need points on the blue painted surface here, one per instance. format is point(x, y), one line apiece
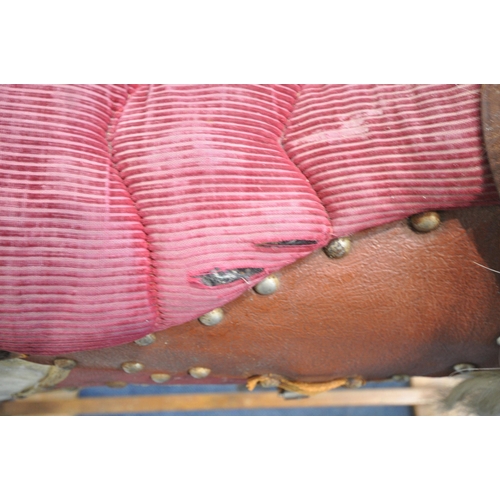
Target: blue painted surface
point(138, 390)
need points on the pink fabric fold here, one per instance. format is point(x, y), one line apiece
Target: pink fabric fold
point(215, 191)
point(74, 264)
point(379, 153)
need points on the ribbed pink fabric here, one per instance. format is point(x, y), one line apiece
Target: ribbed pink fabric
point(74, 263)
point(126, 209)
point(214, 189)
point(378, 153)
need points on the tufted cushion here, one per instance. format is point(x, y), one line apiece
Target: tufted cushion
point(378, 153)
point(221, 203)
point(129, 209)
point(74, 263)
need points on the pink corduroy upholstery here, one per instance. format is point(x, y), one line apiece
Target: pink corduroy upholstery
point(378, 153)
point(214, 189)
point(74, 265)
point(129, 209)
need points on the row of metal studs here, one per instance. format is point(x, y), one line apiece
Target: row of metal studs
point(336, 249)
point(267, 286)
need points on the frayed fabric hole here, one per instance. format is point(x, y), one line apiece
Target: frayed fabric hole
point(217, 276)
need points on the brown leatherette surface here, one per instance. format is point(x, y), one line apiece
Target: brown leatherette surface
point(400, 302)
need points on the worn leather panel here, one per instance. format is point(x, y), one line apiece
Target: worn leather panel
point(400, 302)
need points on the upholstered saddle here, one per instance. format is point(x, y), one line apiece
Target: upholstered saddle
point(301, 236)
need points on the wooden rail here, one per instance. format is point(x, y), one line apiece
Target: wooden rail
point(424, 393)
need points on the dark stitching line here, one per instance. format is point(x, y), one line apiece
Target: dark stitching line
point(110, 137)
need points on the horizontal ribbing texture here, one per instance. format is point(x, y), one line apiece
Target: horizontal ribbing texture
point(97, 250)
point(74, 262)
point(379, 153)
point(212, 184)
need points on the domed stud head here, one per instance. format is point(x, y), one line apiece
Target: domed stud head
point(338, 248)
point(117, 384)
point(199, 372)
point(425, 222)
point(65, 364)
point(132, 367)
point(267, 286)
point(212, 318)
point(160, 378)
point(147, 340)
point(464, 367)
